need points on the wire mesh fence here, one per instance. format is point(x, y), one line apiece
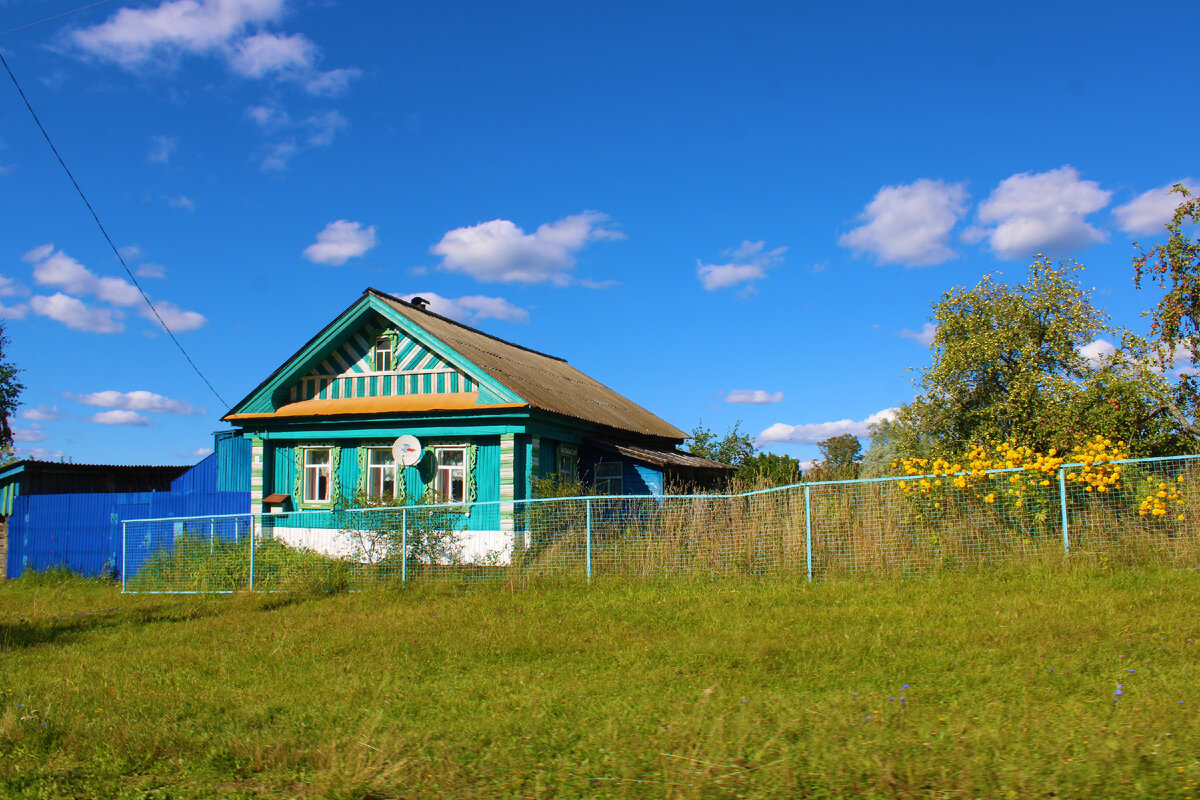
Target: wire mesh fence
point(1107, 514)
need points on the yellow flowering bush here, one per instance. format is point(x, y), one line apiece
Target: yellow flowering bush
point(1158, 497)
point(1017, 479)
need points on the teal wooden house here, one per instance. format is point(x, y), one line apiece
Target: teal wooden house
point(487, 417)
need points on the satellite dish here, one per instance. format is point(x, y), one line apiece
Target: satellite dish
point(406, 450)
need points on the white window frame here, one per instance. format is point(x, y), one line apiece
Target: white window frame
point(449, 470)
point(568, 457)
point(312, 475)
point(384, 469)
point(377, 352)
point(605, 484)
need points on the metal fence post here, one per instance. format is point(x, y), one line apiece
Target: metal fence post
point(588, 505)
point(124, 523)
point(403, 546)
point(808, 531)
point(212, 534)
point(251, 533)
point(1062, 501)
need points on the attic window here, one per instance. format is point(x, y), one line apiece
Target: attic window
point(383, 354)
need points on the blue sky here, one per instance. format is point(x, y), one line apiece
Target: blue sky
point(725, 212)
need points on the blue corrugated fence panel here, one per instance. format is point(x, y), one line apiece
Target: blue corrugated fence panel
point(201, 478)
point(233, 462)
point(82, 532)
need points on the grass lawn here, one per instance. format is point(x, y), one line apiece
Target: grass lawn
point(998, 686)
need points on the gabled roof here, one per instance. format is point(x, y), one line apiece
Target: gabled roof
point(510, 374)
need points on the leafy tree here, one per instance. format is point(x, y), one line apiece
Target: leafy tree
point(770, 469)
point(841, 457)
point(1175, 321)
point(1007, 366)
point(886, 440)
point(10, 393)
point(733, 448)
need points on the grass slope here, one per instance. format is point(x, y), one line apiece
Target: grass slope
point(956, 687)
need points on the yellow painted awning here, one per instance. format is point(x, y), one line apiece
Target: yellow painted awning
point(401, 404)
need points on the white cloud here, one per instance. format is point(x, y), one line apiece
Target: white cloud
point(41, 413)
point(811, 433)
point(746, 264)
point(753, 396)
point(910, 224)
point(38, 253)
point(268, 117)
point(923, 336)
point(151, 271)
point(119, 418)
point(1150, 211)
point(498, 251)
point(161, 149)
point(266, 53)
point(280, 154)
point(341, 241)
point(63, 272)
point(317, 130)
point(322, 128)
point(43, 454)
point(131, 37)
point(201, 452)
point(330, 83)
point(473, 307)
point(1095, 352)
point(1044, 212)
point(76, 314)
point(10, 288)
point(177, 319)
point(160, 36)
point(182, 201)
point(138, 400)
point(27, 435)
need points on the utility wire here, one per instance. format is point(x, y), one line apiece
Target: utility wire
point(56, 16)
point(108, 238)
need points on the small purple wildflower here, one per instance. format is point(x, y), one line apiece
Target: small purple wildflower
point(1133, 670)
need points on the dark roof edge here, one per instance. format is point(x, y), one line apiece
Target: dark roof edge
point(393, 298)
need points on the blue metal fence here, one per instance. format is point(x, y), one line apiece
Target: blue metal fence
point(82, 532)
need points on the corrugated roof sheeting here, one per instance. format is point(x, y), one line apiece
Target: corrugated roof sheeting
point(663, 457)
point(544, 381)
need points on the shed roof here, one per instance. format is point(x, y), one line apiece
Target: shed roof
point(662, 457)
point(544, 381)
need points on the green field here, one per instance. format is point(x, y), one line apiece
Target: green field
point(994, 686)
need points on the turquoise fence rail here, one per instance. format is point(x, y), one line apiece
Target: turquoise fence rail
point(1106, 514)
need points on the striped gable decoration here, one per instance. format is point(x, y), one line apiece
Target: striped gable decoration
point(349, 371)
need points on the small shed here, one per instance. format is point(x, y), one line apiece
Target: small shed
point(24, 478)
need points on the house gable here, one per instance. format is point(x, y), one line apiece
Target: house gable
point(350, 371)
point(337, 364)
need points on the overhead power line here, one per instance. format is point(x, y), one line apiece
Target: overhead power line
point(108, 238)
point(54, 17)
